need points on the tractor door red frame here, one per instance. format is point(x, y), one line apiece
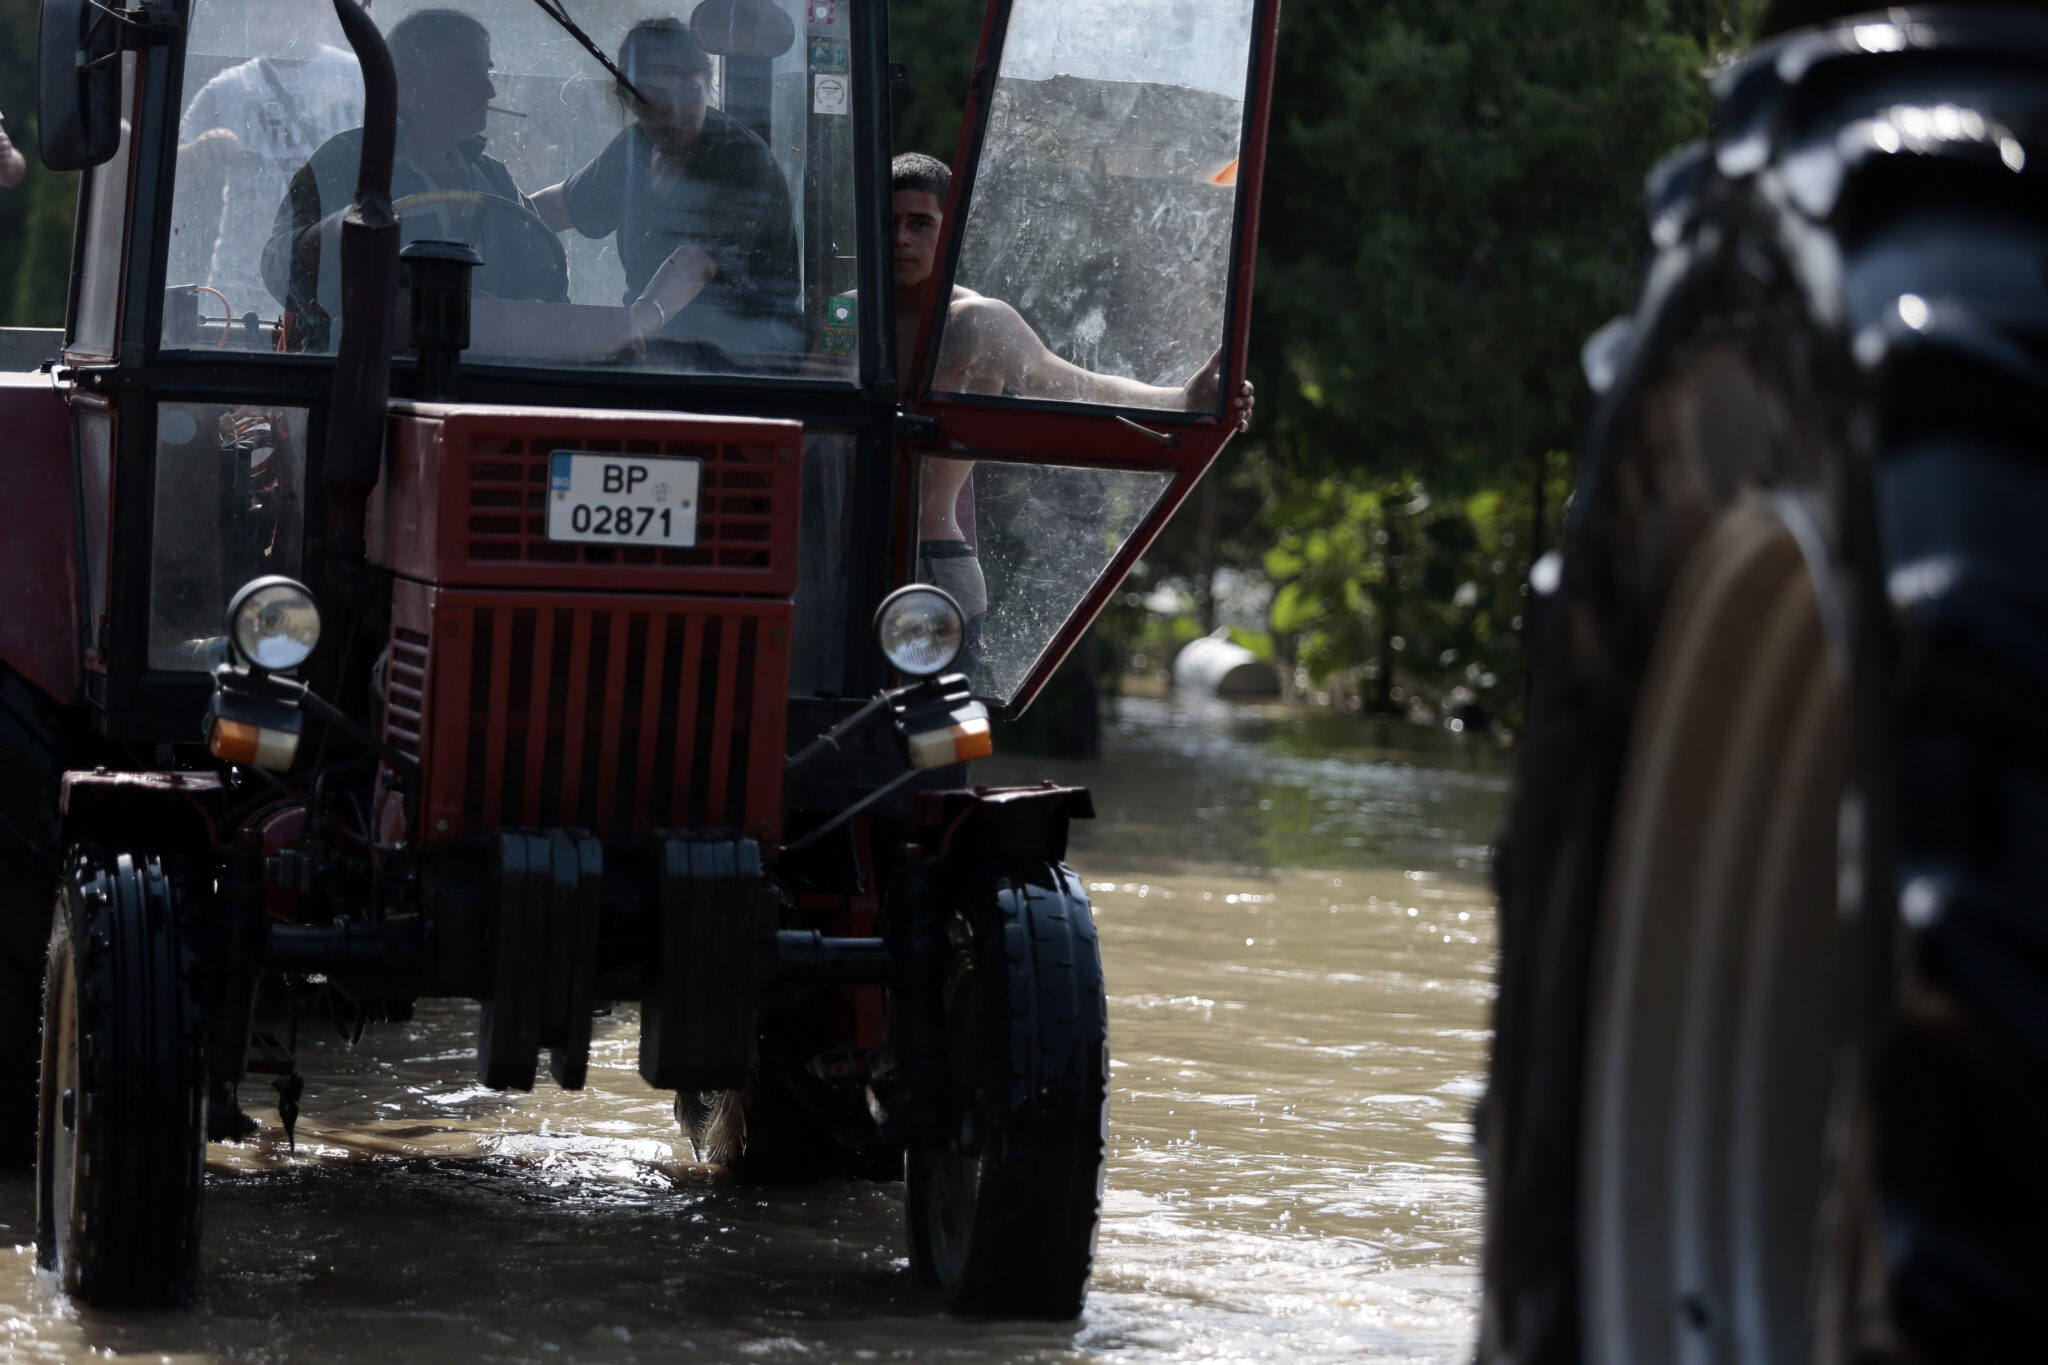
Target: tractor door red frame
point(1130, 100)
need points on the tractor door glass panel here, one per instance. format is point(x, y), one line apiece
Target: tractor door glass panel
point(265, 85)
point(1019, 546)
point(1095, 260)
point(106, 223)
point(229, 508)
point(708, 227)
point(95, 438)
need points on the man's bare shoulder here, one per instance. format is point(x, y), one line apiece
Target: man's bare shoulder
point(978, 312)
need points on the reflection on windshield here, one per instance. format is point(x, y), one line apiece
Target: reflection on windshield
point(1095, 261)
point(1035, 539)
point(700, 222)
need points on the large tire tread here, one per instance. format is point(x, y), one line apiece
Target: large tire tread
point(1893, 302)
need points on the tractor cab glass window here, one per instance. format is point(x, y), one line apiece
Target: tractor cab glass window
point(1029, 541)
point(696, 216)
point(229, 485)
point(1094, 264)
point(106, 222)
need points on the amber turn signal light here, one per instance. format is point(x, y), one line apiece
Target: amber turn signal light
point(259, 746)
point(967, 737)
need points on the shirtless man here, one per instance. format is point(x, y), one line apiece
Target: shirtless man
point(988, 347)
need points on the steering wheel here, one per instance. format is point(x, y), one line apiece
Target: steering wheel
point(539, 268)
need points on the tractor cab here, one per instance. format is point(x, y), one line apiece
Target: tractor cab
point(510, 522)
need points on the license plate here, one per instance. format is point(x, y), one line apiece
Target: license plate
point(622, 499)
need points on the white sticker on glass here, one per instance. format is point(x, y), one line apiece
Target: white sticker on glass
point(830, 94)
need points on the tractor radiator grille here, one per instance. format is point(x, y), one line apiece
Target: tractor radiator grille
point(614, 715)
point(405, 691)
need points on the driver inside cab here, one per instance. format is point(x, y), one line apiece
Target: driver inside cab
point(444, 184)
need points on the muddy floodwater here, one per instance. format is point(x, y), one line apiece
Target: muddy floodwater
point(1299, 950)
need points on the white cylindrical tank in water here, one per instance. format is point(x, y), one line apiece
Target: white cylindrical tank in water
point(1215, 666)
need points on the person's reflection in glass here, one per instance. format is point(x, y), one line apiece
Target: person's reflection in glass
point(987, 347)
point(443, 182)
point(699, 210)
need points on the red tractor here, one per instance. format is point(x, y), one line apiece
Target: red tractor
point(485, 532)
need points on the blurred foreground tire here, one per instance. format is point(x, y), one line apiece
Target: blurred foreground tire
point(1770, 1080)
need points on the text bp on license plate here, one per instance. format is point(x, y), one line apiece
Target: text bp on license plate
point(622, 499)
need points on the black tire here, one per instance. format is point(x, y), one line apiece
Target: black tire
point(1003, 1217)
point(123, 1117)
point(1834, 385)
point(29, 725)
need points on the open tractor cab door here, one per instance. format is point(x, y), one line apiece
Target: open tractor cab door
point(480, 540)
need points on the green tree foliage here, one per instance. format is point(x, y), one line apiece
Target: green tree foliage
point(35, 217)
point(1453, 196)
point(934, 41)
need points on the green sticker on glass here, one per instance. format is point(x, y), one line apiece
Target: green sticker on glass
point(829, 54)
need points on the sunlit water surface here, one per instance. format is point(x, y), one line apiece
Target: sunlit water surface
point(1299, 948)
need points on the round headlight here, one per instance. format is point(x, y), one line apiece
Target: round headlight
point(920, 629)
point(274, 623)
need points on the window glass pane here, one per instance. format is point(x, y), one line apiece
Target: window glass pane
point(99, 286)
point(229, 508)
point(708, 228)
point(1095, 261)
point(1019, 546)
point(95, 432)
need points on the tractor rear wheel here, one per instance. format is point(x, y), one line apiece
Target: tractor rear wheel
point(1004, 1209)
point(123, 1116)
point(1770, 1073)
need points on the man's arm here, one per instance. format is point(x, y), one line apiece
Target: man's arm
point(989, 348)
point(550, 207)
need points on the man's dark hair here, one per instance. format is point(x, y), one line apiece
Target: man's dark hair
point(916, 171)
point(428, 35)
point(657, 40)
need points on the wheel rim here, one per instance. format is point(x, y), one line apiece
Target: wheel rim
point(1711, 1049)
point(58, 1164)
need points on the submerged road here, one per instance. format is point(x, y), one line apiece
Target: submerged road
point(1299, 948)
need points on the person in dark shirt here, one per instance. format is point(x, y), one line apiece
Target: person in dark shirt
point(443, 182)
point(699, 211)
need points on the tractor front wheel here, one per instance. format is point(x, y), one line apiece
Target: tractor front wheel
point(1004, 1205)
point(122, 1133)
